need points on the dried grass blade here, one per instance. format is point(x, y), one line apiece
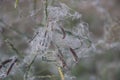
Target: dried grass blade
point(45, 33)
point(61, 57)
point(64, 34)
point(33, 37)
point(11, 66)
point(61, 73)
point(16, 3)
point(62, 60)
point(74, 54)
point(5, 62)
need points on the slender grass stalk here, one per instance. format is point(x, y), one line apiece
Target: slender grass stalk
point(33, 37)
point(35, 5)
point(16, 3)
point(11, 66)
point(45, 19)
point(5, 62)
point(46, 6)
point(29, 67)
point(11, 62)
point(61, 73)
point(74, 54)
point(64, 34)
point(14, 48)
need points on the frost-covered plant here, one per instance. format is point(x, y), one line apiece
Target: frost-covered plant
point(62, 41)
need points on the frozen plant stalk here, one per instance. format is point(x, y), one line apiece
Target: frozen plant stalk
point(64, 29)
